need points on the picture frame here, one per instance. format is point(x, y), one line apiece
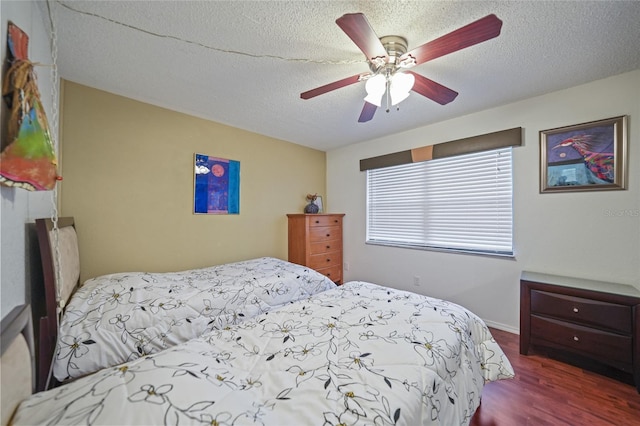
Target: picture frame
point(318, 203)
point(589, 156)
point(216, 185)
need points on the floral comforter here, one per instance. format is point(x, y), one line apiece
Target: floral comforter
point(359, 354)
point(120, 317)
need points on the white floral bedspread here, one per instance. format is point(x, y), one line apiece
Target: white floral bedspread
point(359, 354)
point(120, 317)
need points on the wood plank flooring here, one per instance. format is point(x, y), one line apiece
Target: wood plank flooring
point(549, 392)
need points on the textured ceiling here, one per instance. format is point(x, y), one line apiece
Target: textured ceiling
point(245, 63)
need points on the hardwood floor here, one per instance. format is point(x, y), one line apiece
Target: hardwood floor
point(549, 392)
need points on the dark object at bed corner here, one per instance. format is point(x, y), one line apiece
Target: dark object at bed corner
point(18, 321)
point(46, 327)
point(595, 325)
point(17, 359)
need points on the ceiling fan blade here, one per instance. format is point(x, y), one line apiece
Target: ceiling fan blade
point(367, 112)
point(356, 26)
point(432, 90)
point(476, 32)
point(332, 86)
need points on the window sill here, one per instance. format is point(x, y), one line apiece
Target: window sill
point(502, 255)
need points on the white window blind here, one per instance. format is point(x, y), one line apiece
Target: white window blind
point(461, 203)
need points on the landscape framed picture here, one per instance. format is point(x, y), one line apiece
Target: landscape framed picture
point(216, 188)
point(584, 157)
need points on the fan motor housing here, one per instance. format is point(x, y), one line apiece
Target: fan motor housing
point(395, 46)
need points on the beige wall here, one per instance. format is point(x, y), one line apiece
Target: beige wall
point(128, 181)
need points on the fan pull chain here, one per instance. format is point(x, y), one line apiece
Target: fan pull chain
point(388, 88)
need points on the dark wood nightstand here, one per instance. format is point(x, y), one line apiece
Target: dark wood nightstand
point(591, 320)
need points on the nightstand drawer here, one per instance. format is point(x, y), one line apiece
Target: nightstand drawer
point(325, 246)
point(325, 221)
point(325, 233)
point(589, 312)
point(599, 345)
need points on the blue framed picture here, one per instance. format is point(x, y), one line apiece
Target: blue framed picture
point(216, 185)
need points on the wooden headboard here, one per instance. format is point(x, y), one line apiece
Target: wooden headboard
point(62, 245)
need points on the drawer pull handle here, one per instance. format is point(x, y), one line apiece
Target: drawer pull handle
point(576, 310)
point(328, 247)
point(317, 221)
point(328, 260)
point(576, 338)
point(328, 235)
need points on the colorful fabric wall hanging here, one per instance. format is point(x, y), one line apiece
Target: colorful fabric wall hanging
point(29, 160)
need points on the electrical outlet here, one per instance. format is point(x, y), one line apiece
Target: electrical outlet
point(346, 266)
point(416, 281)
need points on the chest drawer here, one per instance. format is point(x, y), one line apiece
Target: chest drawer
point(325, 246)
point(594, 313)
point(601, 345)
point(334, 273)
point(325, 221)
point(325, 260)
point(324, 233)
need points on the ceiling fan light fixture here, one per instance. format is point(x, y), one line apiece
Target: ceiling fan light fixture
point(375, 87)
point(388, 56)
point(401, 85)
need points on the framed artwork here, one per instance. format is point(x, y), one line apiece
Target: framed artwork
point(216, 188)
point(584, 157)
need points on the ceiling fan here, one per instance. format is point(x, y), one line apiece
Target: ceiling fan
point(389, 62)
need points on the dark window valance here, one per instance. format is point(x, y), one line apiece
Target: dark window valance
point(489, 141)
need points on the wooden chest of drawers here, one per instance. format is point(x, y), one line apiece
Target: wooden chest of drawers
point(315, 240)
point(593, 320)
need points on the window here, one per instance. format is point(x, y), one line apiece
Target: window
point(461, 203)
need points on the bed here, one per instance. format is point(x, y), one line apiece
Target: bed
point(357, 354)
point(116, 318)
point(265, 342)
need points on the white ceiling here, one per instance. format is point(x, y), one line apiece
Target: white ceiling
point(245, 63)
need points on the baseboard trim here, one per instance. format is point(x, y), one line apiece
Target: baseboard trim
point(502, 327)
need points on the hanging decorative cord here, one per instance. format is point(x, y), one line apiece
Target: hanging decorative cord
point(54, 138)
point(54, 193)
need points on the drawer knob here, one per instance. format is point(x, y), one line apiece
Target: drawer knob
point(576, 310)
point(328, 247)
point(317, 221)
point(328, 235)
point(328, 260)
point(576, 338)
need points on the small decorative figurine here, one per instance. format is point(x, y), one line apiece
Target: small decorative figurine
point(311, 207)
